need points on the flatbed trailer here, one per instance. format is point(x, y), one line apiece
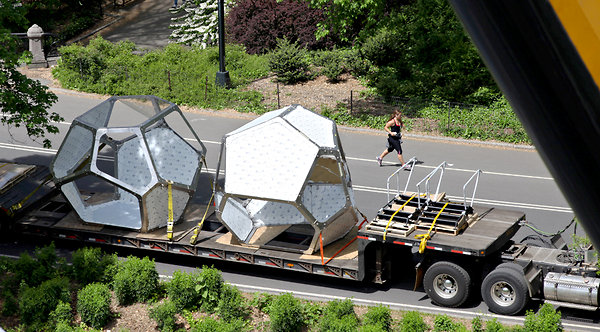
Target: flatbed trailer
point(452, 262)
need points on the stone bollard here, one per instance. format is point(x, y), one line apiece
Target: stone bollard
point(35, 34)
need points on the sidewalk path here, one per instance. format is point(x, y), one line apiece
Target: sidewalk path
point(145, 23)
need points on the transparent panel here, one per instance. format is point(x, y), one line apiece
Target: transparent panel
point(106, 159)
point(173, 158)
point(262, 119)
point(157, 205)
point(268, 213)
point(98, 116)
point(271, 160)
point(323, 200)
point(75, 148)
point(122, 212)
point(175, 121)
point(131, 112)
point(237, 219)
point(133, 165)
point(72, 194)
point(318, 128)
point(326, 170)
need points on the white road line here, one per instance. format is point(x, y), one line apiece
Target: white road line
point(354, 186)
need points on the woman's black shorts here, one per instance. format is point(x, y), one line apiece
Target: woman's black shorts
point(394, 144)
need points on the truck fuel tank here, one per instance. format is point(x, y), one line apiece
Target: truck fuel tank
point(564, 287)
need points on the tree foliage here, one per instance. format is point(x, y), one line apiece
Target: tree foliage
point(259, 24)
point(23, 102)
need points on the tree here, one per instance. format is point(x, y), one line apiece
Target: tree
point(199, 24)
point(23, 101)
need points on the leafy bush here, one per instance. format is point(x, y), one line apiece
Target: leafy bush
point(312, 313)
point(339, 316)
point(93, 304)
point(477, 324)
point(34, 270)
point(545, 320)
point(258, 24)
point(262, 301)
point(379, 316)
point(443, 323)
point(164, 315)
point(332, 63)
point(209, 324)
point(413, 322)
point(135, 281)
point(210, 286)
point(286, 313)
point(383, 48)
point(290, 62)
point(90, 264)
point(61, 314)
point(231, 304)
point(182, 290)
point(494, 326)
point(11, 305)
point(36, 303)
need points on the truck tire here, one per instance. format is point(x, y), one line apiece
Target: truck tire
point(512, 266)
point(447, 284)
point(505, 291)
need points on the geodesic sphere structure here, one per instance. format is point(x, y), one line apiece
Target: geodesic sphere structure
point(283, 169)
point(127, 149)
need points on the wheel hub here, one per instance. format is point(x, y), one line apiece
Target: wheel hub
point(445, 286)
point(502, 294)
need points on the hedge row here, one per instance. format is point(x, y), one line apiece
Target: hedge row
point(45, 303)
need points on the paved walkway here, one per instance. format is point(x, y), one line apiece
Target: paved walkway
point(145, 23)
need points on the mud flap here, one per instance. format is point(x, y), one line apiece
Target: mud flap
point(418, 276)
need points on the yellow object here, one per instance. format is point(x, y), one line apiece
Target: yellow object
point(425, 237)
point(581, 20)
point(392, 217)
point(170, 218)
point(19, 205)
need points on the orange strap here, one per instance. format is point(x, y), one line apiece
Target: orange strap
point(321, 241)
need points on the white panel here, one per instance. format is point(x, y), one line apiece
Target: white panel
point(237, 219)
point(262, 119)
point(72, 194)
point(266, 213)
point(323, 200)
point(157, 205)
point(319, 129)
point(174, 159)
point(132, 167)
point(77, 144)
point(271, 161)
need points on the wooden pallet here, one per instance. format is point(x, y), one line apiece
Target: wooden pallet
point(460, 225)
point(396, 228)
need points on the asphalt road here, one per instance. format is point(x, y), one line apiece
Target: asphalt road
point(512, 178)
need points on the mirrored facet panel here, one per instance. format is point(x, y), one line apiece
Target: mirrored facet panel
point(75, 148)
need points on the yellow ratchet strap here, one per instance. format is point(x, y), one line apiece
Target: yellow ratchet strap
point(392, 217)
point(19, 205)
point(425, 237)
point(198, 227)
point(170, 218)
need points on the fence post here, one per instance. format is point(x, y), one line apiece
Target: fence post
point(278, 106)
point(448, 123)
point(351, 110)
point(169, 78)
point(206, 88)
point(34, 34)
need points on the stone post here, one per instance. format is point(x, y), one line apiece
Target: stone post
point(35, 34)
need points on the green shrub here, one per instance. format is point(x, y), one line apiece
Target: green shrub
point(413, 322)
point(286, 313)
point(477, 324)
point(379, 316)
point(290, 62)
point(312, 313)
point(231, 304)
point(210, 286)
point(382, 48)
point(443, 323)
point(6, 265)
point(209, 324)
point(332, 63)
point(93, 305)
point(62, 314)
point(136, 280)
point(182, 289)
point(495, 326)
point(545, 320)
point(339, 316)
point(262, 301)
point(356, 64)
point(11, 305)
point(90, 264)
point(36, 303)
point(35, 270)
point(164, 315)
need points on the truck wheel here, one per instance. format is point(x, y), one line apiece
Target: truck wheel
point(447, 284)
point(505, 291)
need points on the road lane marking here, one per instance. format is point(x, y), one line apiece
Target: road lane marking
point(355, 186)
